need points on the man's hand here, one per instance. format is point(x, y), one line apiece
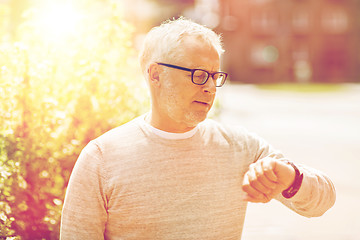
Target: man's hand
point(266, 178)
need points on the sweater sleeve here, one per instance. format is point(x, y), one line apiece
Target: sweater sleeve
point(317, 192)
point(84, 212)
point(315, 196)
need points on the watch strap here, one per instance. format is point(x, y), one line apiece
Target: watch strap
point(294, 188)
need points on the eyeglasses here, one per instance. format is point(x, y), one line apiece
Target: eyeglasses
point(200, 76)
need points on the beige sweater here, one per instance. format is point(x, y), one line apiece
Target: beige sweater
point(132, 184)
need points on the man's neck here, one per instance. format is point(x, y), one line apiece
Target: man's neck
point(167, 126)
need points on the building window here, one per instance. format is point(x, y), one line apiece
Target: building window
point(263, 55)
point(300, 52)
point(300, 21)
point(335, 21)
point(264, 21)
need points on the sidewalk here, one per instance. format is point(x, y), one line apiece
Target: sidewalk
point(321, 130)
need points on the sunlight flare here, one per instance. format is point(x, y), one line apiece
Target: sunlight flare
point(58, 21)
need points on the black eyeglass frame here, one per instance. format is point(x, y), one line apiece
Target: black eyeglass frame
point(195, 69)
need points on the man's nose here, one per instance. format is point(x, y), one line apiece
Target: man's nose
point(210, 86)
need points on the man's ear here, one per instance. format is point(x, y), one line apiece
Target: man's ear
point(154, 74)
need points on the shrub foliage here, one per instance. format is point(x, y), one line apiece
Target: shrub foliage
point(56, 94)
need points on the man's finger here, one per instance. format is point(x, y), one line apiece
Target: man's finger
point(268, 167)
point(249, 198)
point(263, 177)
point(250, 187)
point(256, 178)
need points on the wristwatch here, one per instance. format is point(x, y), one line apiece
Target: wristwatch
point(294, 188)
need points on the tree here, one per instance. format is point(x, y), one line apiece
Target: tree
point(57, 93)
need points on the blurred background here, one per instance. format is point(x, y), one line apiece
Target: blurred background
point(69, 72)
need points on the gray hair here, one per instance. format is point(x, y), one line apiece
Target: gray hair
point(162, 41)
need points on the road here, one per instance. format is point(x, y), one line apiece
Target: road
point(321, 130)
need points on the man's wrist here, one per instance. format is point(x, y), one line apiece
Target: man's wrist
point(295, 186)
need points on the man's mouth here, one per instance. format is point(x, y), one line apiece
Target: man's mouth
point(203, 103)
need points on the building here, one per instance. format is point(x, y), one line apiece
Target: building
point(291, 40)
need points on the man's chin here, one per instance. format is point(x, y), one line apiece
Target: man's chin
point(194, 118)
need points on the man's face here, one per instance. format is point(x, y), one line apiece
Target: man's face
point(181, 103)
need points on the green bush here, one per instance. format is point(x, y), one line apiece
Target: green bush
point(55, 96)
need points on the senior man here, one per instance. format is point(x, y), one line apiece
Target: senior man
point(172, 173)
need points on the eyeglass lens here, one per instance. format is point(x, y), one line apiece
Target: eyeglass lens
point(200, 77)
